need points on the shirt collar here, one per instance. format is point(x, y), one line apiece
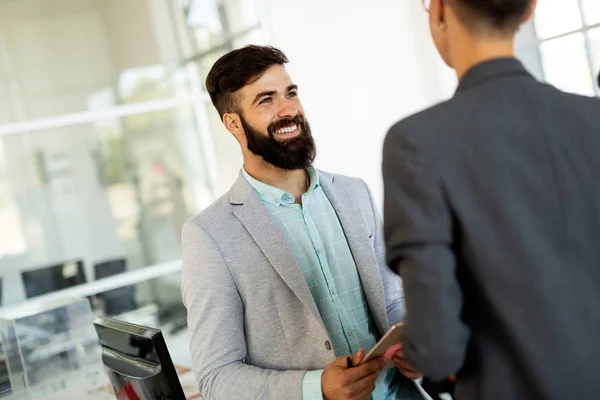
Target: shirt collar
point(313, 176)
point(276, 196)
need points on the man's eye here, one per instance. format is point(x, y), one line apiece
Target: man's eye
point(293, 94)
point(265, 100)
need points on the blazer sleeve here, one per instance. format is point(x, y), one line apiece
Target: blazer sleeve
point(418, 235)
point(392, 284)
point(216, 326)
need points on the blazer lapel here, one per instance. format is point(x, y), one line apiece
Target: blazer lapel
point(259, 223)
point(357, 234)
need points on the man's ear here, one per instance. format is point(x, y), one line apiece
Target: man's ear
point(233, 124)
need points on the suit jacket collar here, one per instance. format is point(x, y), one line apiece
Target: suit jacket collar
point(259, 223)
point(358, 234)
point(490, 70)
point(240, 191)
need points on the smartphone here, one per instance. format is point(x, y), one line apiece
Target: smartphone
point(392, 337)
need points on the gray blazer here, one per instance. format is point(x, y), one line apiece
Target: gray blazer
point(255, 328)
point(492, 216)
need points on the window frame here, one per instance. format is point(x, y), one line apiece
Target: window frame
point(585, 30)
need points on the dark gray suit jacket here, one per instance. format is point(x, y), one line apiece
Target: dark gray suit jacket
point(492, 218)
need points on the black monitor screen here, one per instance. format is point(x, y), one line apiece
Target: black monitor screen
point(56, 277)
point(137, 361)
point(116, 301)
point(110, 268)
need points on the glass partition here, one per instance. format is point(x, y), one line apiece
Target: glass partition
point(108, 140)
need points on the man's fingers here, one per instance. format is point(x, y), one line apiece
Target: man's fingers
point(365, 394)
point(365, 369)
point(367, 382)
point(358, 357)
point(340, 362)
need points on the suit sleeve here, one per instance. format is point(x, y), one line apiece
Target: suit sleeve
point(216, 326)
point(392, 284)
point(418, 235)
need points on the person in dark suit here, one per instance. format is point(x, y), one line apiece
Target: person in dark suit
point(492, 219)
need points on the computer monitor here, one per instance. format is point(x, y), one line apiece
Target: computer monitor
point(116, 301)
point(44, 280)
point(137, 361)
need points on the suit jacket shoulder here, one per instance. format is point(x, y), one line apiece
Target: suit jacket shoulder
point(423, 127)
point(213, 214)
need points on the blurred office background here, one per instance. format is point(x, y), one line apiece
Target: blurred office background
point(108, 140)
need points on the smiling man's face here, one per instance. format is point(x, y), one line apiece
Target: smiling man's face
point(273, 120)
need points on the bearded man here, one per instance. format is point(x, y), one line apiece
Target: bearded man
point(284, 277)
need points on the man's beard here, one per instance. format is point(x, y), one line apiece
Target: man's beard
point(297, 152)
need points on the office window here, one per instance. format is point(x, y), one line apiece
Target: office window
point(568, 39)
point(108, 141)
point(217, 27)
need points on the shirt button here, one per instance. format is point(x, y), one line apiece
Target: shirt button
point(351, 333)
point(319, 251)
point(276, 201)
point(333, 292)
point(328, 345)
point(288, 198)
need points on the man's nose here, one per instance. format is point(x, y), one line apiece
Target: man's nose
point(288, 110)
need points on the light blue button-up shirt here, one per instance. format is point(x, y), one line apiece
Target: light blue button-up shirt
point(316, 238)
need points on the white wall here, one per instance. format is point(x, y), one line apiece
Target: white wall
point(526, 49)
point(360, 69)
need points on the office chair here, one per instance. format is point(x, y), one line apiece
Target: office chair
point(116, 301)
point(55, 277)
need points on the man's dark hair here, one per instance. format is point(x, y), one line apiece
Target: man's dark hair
point(235, 70)
point(497, 17)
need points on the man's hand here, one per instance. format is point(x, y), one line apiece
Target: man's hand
point(404, 367)
point(339, 382)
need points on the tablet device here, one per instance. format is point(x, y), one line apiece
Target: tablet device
point(390, 343)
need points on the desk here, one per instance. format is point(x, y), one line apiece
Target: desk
point(89, 383)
